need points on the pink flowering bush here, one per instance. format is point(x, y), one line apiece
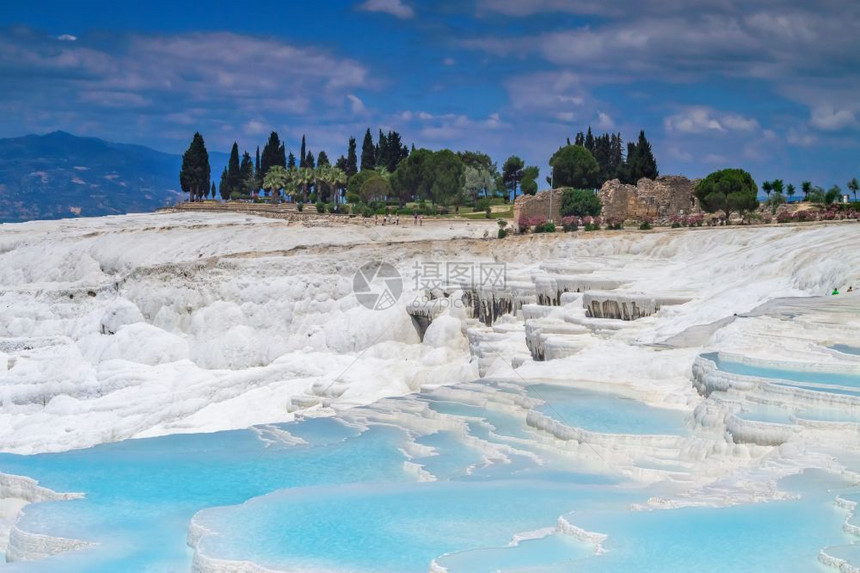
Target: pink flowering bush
point(527, 223)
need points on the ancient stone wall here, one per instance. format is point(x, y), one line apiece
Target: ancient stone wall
point(658, 199)
point(546, 204)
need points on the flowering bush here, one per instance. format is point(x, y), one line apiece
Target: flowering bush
point(804, 216)
point(614, 224)
point(570, 223)
point(784, 217)
point(591, 223)
point(528, 222)
point(695, 220)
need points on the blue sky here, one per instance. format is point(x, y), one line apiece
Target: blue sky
point(769, 85)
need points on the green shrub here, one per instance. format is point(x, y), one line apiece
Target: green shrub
point(488, 213)
point(300, 206)
point(580, 203)
point(645, 226)
point(320, 207)
point(545, 228)
point(503, 233)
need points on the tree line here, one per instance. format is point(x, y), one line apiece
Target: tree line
point(388, 170)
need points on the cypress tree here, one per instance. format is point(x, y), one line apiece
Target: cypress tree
point(212, 191)
point(257, 164)
point(234, 177)
point(395, 151)
point(224, 186)
point(281, 156)
point(309, 160)
point(273, 153)
point(647, 164)
point(302, 160)
point(589, 141)
point(382, 151)
point(351, 167)
point(580, 139)
point(195, 173)
point(291, 162)
point(322, 159)
point(630, 167)
point(247, 183)
point(341, 163)
point(368, 152)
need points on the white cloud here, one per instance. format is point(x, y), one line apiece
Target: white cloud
point(604, 121)
point(394, 7)
point(254, 127)
point(828, 118)
point(356, 105)
point(801, 139)
point(67, 38)
point(700, 119)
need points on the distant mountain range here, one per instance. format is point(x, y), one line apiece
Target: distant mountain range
point(61, 175)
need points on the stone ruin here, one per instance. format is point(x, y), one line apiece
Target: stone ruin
point(657, 199)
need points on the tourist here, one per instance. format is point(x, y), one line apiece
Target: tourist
point(397, 220)
point(851, 288)
point(420, 220)
point(415, 218)
point(835, 291)
point(376, 219)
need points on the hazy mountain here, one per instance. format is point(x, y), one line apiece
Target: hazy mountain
point(61, 175)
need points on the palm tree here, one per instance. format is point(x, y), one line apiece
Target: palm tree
point(275, 180)
point(854, 186)
point(336, 179)
point(304, 177)
point(777, 185)
point(767, 187)
point(806, 187)
point(790, 191)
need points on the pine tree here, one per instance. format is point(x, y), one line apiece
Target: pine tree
point(195, 173)
point(322, 159)
point(309, 160)
point(302, 156)
point(351, 159)
point(291, 162)
point(368, 152)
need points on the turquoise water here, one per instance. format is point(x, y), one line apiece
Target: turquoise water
point(141, 494)
point(369, 528)
point(800, 376)
point(606, 413)
point(769, 414)
point(343, 500)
